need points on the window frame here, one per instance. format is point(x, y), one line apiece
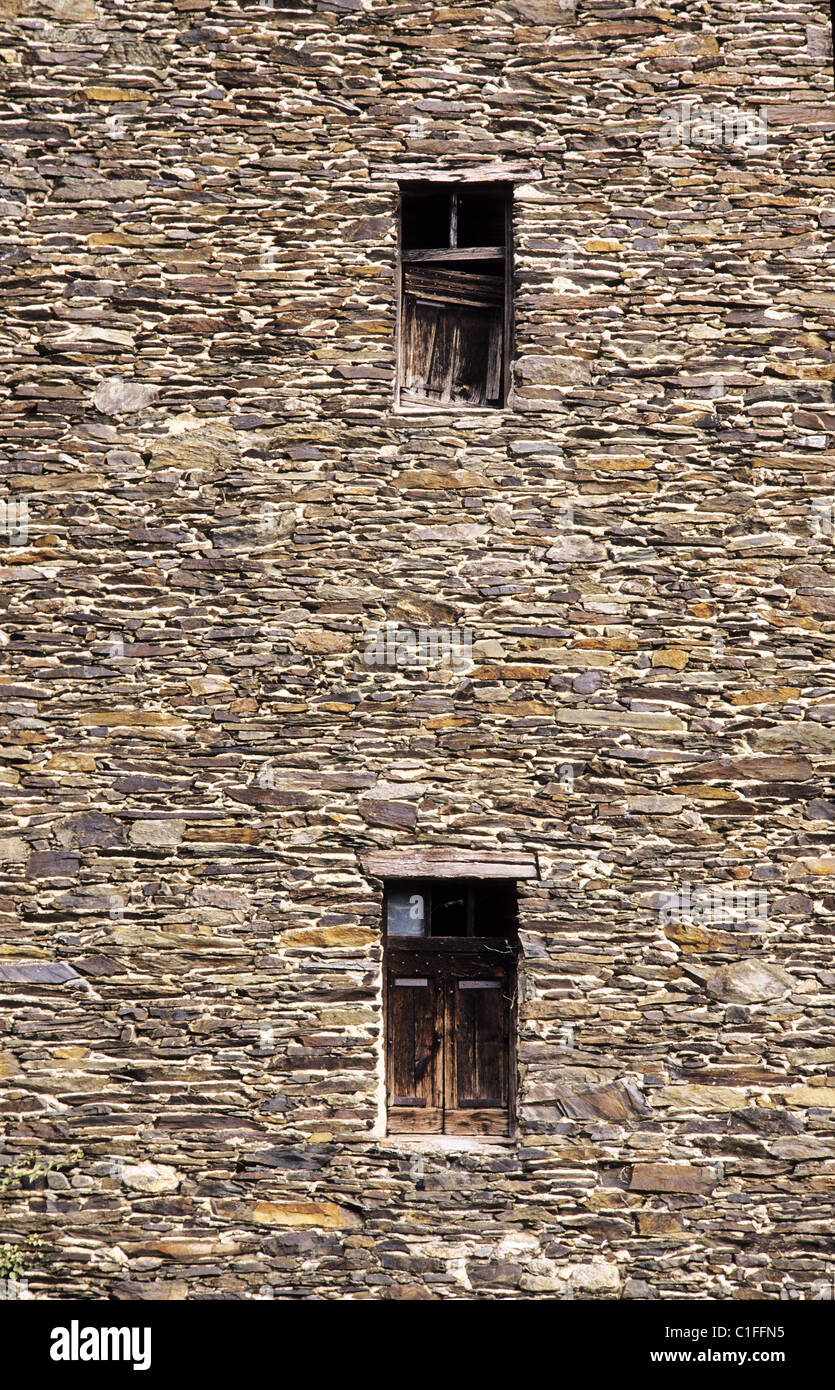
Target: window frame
point(428, 889)
point(443, 962)
point(454, 187)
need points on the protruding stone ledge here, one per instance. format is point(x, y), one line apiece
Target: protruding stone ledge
point(38, 972)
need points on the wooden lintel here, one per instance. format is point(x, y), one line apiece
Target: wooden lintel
point(449, 863)
point(458, 253)
point(475, 173)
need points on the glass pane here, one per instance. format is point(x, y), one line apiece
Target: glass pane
point(406, 913)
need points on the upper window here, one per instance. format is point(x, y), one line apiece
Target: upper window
point(450, 907)
point(454, 336)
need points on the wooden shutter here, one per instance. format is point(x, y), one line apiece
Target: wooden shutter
point(449, 1047)
point(414, 1047)
point(477, 1054)
point(422, 357)
point(453, 336)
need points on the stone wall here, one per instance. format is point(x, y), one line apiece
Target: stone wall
point(210, 502)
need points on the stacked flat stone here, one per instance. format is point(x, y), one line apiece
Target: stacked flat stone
point(198, 283)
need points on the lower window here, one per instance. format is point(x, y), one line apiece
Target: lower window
point(450, 1008)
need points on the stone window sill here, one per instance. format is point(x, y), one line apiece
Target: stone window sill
point(433, 412)
point(445, 1143)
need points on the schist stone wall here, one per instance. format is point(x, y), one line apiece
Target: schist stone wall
point(210, 505)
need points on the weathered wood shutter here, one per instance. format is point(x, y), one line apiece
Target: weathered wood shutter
point(415, 1053)
point(476, 1099)
point(453, 337)
point(448, 1046)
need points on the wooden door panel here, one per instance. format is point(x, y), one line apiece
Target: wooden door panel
point(480, 1039)
point(478, 1052)
point(414, 1053)
point(448, 1044)
point(478, 331)
point(453, 351)
point(423, 321)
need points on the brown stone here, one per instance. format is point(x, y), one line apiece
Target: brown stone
point(671, 1177)
point(328, 1216)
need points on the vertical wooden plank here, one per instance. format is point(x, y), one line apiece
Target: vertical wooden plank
point(508, 327)
point(409, 346)
point(453, 345)
point(493, 389)
point(476, 1097)
point(449, 1045)
point(438, 1054)
point(431, 343)
point(453, 219)
point(398, 301)
point(414, 1048)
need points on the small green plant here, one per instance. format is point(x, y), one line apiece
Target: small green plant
point(25, 1173)
point(30, 1169)
point(13, 1257)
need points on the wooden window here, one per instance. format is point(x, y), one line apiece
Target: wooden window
point(454, 294)
point(422, 907)
point(450, 993)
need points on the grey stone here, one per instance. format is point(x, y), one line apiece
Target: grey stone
point(116, 396)
point(162, 834)
point(38, 972)
point(749, 981)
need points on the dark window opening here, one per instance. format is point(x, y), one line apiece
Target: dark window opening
point(424, 219)
point(450, 1003)
point(455, 303)
point(420, 908)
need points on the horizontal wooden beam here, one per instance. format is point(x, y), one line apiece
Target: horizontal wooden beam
point(439, 284)
point(456, 253)
point(475, 173)
point(431, 297)
point(449, 863)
